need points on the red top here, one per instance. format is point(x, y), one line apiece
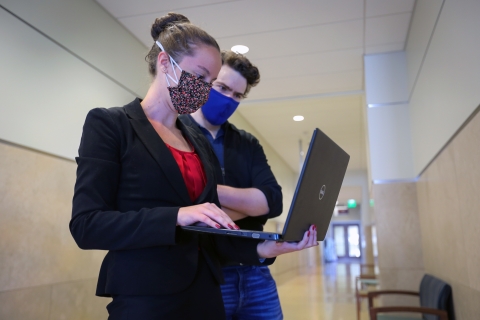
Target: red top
point(192, 170)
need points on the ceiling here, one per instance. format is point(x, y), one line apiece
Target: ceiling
point(310, 56)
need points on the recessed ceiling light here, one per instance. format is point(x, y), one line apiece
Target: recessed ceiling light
point(240, 49)
point(298, 118)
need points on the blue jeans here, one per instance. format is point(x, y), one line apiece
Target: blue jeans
point(250, 293)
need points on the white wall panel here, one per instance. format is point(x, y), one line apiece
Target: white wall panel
point(46, 91)
point(87, 30)
point(390, 143)
point(386, 78)
point(447, 89)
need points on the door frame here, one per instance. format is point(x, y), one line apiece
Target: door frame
point(346, 224)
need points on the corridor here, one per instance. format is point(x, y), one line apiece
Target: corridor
point(320, 292)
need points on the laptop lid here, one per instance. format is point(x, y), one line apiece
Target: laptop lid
point(317, 189)
point(314, 199)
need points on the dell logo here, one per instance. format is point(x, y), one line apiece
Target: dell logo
point(322, 192)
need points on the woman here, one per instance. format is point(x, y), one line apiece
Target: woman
point(141, 173)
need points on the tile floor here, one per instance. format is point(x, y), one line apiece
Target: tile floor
point(320, 293)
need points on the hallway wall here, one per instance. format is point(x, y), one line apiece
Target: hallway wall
point(442, 53)
point(431, 226)
point(449, 210)
point(43, 274)
point(444, 73)
point(400, 254)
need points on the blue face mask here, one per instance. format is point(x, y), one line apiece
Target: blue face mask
point(219, 108)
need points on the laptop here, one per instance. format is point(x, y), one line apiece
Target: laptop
point(315, 195)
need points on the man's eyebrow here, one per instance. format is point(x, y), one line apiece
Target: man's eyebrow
point(230, 89)
point(223, 84)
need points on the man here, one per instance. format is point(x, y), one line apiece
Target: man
point(248, 191)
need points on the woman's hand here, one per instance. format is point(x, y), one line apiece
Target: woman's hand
point(207, 213)
point(271, 249)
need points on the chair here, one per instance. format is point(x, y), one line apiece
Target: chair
point(364, 283)
point(436, 302)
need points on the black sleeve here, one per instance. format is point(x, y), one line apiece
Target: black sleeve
point(95, 223)
point(264, 180)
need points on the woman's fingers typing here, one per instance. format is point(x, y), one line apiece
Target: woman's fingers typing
point(221, 217)
point(208, 213)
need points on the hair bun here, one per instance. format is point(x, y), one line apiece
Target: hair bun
point(166, 21)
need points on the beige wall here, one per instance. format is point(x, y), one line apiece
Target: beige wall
point(449, 207)
point(431, 226)
point(43, 274)
point(400, 257)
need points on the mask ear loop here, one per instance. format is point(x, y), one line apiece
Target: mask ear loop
point(172, 62)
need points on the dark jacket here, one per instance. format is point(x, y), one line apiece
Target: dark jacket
point(127, 196)
point(246, 166)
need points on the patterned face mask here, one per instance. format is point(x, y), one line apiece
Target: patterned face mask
point(190, 93)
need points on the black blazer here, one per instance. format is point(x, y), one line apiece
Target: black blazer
point(127, 196)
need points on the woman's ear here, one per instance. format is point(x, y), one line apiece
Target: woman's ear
point(163, 61)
